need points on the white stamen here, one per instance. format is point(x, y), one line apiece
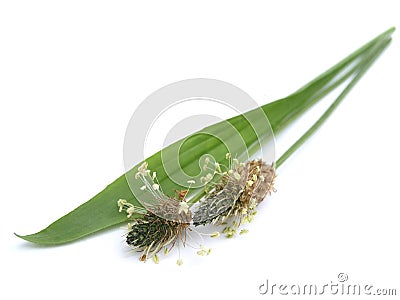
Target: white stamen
point(243, 231)
point(183, 207)
point(237, 176)
point(156, 259)
point(143, 167)
point(217, 167)
point(215, 234)
point(130, 210)
point(121, 203)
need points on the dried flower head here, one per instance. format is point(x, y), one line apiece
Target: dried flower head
point(152, 233)
point(164, 222)
point(236, 195)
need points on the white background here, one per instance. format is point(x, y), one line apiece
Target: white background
point(71, 75)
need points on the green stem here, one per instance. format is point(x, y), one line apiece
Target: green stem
point(366, 62)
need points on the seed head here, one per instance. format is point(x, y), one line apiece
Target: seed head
point(152, 233)
point(236, 195)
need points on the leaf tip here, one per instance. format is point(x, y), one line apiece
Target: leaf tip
point(30, 238)
point(24, 237)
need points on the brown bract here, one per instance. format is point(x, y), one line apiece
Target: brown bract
point(237, 193)
point(152, 232)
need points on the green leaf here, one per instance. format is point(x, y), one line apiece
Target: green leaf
point(101, 211)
